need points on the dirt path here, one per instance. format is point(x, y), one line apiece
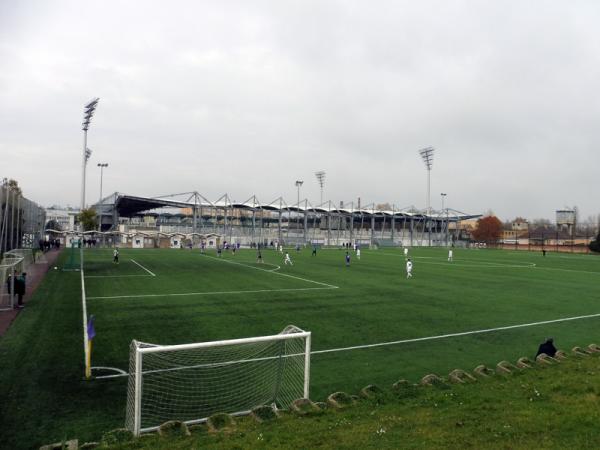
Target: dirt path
point(35, 275)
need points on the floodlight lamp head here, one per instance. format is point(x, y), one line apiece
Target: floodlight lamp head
point(427, 155)
point(299, 183)
point(92, 103)
point(320, 177)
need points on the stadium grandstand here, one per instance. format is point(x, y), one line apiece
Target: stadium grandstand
point(145, 221)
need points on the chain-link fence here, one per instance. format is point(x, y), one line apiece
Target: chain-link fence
point(21, 220)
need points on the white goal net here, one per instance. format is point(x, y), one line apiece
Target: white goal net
point(190, 382)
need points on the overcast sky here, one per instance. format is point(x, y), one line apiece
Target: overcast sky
point(247, 97)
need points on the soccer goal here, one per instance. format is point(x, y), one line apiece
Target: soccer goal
point(190, 382)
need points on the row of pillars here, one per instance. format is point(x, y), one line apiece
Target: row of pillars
point(413, 224)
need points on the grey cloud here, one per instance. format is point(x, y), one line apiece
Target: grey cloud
point(246, 98)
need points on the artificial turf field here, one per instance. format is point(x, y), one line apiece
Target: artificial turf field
point(179, 296)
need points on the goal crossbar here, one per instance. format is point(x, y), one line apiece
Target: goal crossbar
point(173, 348)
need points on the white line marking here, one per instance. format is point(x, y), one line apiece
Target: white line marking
point(484, 265)
point(406, 341)
point(273, 270)
point(120, 373)
point(567, 270)
point(117, 276)
point(84, 308)
point(189, 294)
point(464, 333)
point(135, 262)
point(478, 263)
point(469, 262)
point(575, 256)
point(86, 348)
point(331, 286)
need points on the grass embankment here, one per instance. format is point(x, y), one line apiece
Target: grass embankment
point(543, 407)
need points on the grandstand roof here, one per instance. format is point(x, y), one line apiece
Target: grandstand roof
point(129, 205)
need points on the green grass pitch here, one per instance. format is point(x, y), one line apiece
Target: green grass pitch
point(181, 296)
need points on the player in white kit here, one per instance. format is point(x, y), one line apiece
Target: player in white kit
point(287, 259)
point(409, 268)
point(450, 254)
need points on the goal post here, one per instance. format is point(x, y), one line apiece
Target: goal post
point(190, 382)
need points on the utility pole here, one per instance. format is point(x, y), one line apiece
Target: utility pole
point(299, 184)
point(102, 166)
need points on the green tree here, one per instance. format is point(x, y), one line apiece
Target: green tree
point(14, 186)
point(53, 225)
point(87, 219)
point(595, 245)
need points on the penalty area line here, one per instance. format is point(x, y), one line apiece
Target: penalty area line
point(138, 264)
point(116, 276)
point(451, 335)
point(330, 286)
point(190, 294)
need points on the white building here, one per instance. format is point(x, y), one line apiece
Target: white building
point(65, 218)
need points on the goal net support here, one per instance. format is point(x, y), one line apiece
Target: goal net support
point(190, 382)
point(13, 263)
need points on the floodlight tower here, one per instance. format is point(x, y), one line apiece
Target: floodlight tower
point(427, 155)
point(87, 117)
point(321, 179)
point(299, 183)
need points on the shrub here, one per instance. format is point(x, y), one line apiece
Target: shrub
point(595, 244)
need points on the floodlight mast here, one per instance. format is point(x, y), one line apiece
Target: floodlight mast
point(443, 194)
point(299, 183)
point(427, 155)
point(89, 109)
point(321, 179)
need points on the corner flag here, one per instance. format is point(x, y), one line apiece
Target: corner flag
point(90, 328)
point(91, 334)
